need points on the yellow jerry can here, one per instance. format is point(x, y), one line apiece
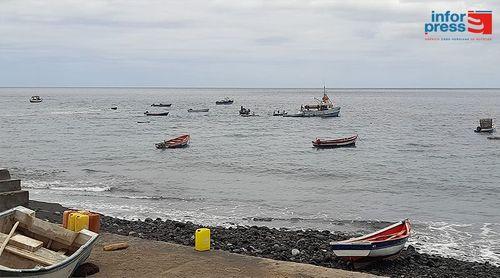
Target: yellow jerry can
point(71, 221)
point(81, 222)
point(202, 239)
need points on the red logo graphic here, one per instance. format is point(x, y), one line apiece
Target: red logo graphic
point(480, 22)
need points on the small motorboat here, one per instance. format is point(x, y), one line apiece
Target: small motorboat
point(279, 113)
point(380, 244)
point(198, 110)
point(161, 105)
point(335, 143)
point(147, 113)
point(35, 99)
point(244, 111)
point(178, 142)
point(226, 101)
point(143, 122)
point(37, 248)
point(114, 108)
point(485, 125)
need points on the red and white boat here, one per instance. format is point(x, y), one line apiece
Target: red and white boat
point(383, 243)
point(178, 142)
point(333, 143)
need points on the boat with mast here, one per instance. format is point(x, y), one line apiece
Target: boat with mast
point(323, 108)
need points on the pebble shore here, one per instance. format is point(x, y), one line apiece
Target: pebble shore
point(304, 246)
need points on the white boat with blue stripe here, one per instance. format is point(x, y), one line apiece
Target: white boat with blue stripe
point(383, 243)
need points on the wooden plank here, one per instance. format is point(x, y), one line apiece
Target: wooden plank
point(6, 240)
point(25, 242)
point(47, 229)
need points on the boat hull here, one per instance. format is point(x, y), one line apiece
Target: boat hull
point(359, 250)
point(334, 112)
point(198, 110)
point(156, 114)
point(161, 105)
point(337, 143)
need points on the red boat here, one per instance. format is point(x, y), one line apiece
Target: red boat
point(333, 143)
point(383, 243)
point(179, 142)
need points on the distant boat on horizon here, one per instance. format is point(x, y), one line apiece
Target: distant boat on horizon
point(35, 99)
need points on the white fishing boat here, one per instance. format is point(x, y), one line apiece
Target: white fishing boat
point(324, 108)
point(485, 125)
point(32, 247)
point(35, 99)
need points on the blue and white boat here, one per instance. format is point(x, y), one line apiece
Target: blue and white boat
point(383, 243)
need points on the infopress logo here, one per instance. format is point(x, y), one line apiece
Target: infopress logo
point(456, 26)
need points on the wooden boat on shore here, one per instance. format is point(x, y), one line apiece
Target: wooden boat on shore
point(35, 99)
point(485, 125)
point(380, 244)
point(335, 143)
point(161, 105)
point(225, 101)
point(198, 110)
point(178, 142)
point(37, 248)
point(147, 113)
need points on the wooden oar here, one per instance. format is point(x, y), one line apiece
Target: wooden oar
point(8, 237)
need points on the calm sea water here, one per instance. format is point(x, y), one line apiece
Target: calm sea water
point(417, 157)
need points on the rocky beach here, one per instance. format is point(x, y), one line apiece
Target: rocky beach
point(304, 246)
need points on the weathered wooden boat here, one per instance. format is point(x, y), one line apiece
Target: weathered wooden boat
point(198, 110)
point(335, 143)
point(226, 101)
point(380, 244)
point(35, 99)
point(161, 105)
point(178, 142)
point(324, 108)
point(147, 113)
point(37, 248)
point(485, 125)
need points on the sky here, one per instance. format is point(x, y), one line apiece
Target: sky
point(240, 43)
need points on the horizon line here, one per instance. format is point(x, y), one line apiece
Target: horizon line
point(202, 87)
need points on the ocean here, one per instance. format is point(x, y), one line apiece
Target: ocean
point(417, 157)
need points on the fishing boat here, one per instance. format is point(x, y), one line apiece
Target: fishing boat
point(244, 111)
point(323, 108)
point(35, 99)
point(380, 244)
point(198, 110)
point(161, 105)
point(226, 101)
point(485, 125)
point(147, 113)
point(32, 247)
point(279, 113)
point(178, 142)
point(335, 143)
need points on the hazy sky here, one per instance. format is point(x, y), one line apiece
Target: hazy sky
point(239, 43)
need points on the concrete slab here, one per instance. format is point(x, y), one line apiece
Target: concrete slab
point(145, 258)
point(12, 199)
point(4, 174)
point(10, 185)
